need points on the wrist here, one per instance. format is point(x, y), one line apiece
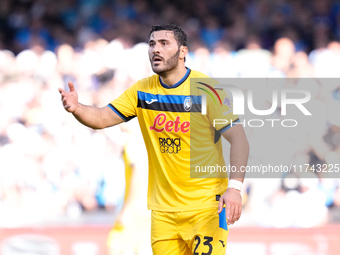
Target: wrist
point(235, 184)
point(75, 112)
point(233, 189)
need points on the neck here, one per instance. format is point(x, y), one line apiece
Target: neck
point(172, 77)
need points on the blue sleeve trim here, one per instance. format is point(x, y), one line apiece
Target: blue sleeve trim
point(227, 126)
point(118, 112)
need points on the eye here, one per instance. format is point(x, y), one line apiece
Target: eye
point(151, 44)
point(164, 43)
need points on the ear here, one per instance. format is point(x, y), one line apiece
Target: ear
point(183, 52)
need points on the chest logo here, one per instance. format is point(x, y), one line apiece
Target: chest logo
point(161, 124)
point(187, 104)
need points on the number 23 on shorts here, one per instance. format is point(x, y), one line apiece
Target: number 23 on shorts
point(216, 244)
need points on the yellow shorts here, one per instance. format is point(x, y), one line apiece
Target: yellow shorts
point(202, 232)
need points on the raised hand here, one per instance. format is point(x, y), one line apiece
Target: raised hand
point(70, 98)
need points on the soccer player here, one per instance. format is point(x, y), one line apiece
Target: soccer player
point(189, 215)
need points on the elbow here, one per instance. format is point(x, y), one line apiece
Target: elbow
point(245, 144)
point(241, 143)
point(98, 126)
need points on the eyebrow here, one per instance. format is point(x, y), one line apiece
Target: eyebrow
point(160, 40)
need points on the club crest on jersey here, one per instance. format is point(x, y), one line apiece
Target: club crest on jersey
point(161, 124)
point(187, 104)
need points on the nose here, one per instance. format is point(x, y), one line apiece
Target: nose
point(155, 49)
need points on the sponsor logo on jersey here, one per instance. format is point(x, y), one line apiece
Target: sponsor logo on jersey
point(161, 124)
point(187, 104)
point(151, 101)
point(169, 103)
point(170, 145)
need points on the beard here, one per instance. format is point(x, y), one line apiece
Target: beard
point(168, 65)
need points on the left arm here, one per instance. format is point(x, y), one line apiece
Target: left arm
point(239, 152)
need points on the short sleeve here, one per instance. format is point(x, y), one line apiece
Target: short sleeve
point(125, 105)
point(220, 111)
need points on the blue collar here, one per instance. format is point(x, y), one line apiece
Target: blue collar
point(178, 83)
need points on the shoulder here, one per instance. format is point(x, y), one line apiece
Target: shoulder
point(143, 84)
point(197, 74)
point(203, 79)
point(146, 82)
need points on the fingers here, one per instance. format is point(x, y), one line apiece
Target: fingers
point(232, 215)
point(63, 98)
point(63, 95)
point(238, 213)
point(235, 215)
point(233, 212)
point(71, 86)
point(68, 98)
point(64, 101)
point(233, 205)
point(228, 212)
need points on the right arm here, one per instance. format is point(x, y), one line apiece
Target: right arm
point(90, 116)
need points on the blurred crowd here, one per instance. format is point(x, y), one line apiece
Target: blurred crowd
point(309, 24)
point(51, 165)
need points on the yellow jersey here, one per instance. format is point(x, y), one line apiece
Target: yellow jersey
point(178, 138)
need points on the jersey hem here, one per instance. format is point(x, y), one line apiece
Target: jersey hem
point(182, 209)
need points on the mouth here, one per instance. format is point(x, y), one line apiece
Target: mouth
point(157, 59)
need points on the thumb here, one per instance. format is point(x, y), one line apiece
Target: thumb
point(220, 205)
point(71, 86)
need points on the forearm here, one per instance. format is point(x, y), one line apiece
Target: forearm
point(89, 116)
point(239, 152)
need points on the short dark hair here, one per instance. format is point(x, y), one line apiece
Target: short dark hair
point(180, 35)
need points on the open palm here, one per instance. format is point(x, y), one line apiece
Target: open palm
point(69, 98)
